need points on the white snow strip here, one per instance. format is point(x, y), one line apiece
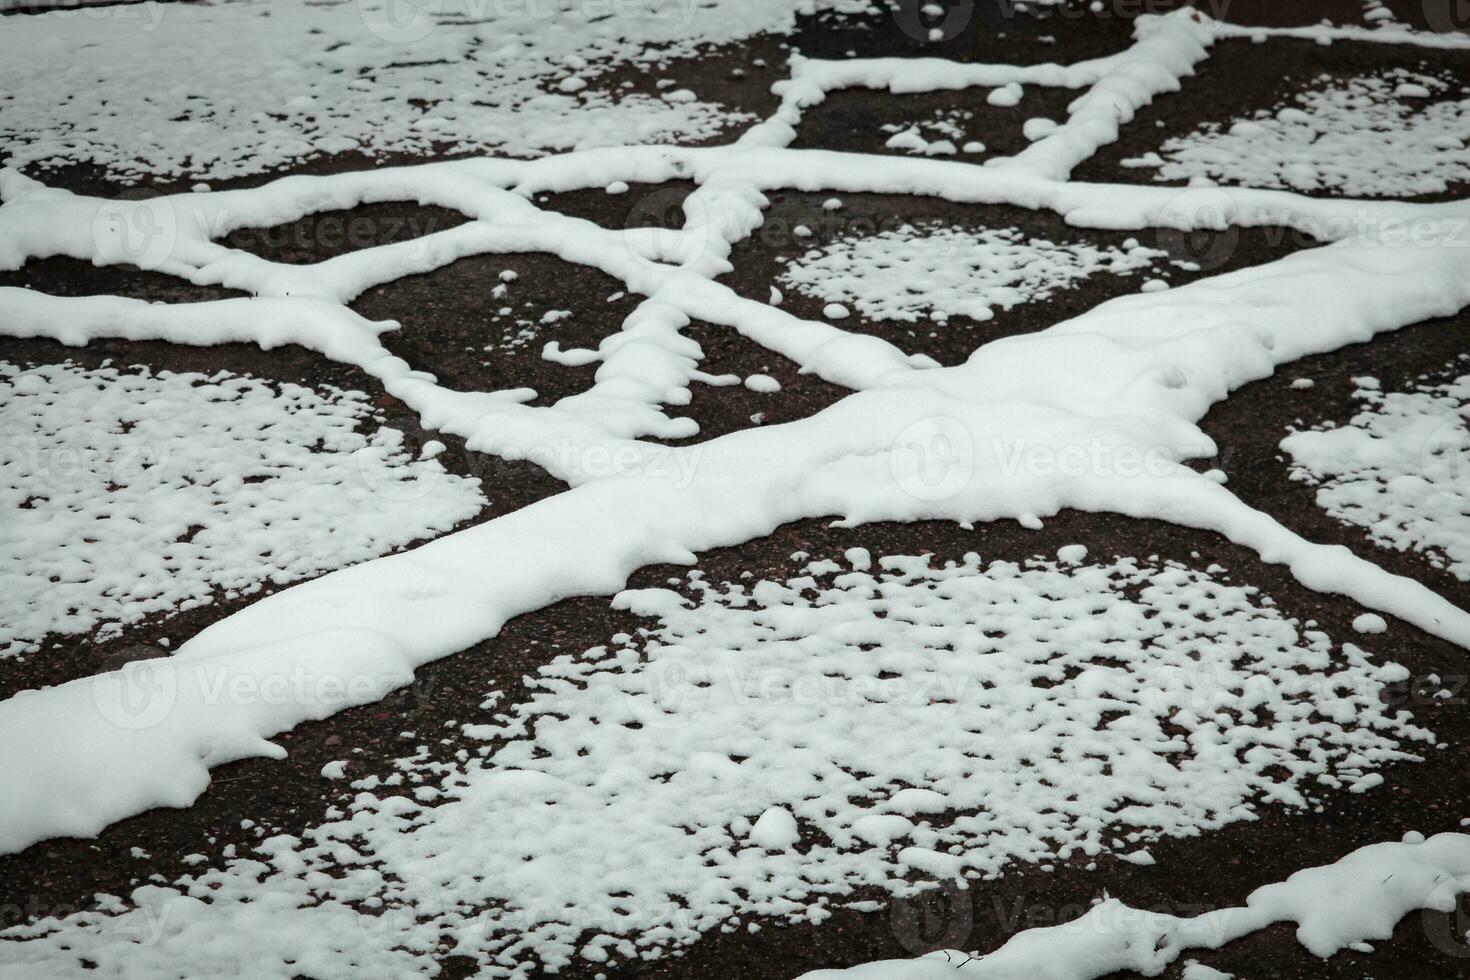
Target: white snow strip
point(1096, 414)
point(1166, 50)
point(1451, 37)
point(1361, 897)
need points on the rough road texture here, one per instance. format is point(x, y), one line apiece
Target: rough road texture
point(446, 329)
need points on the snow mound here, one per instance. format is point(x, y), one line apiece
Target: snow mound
point(938, 271)
point(1373, 136)
point(1400, 468)
point(129, 493)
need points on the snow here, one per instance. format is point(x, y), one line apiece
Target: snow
point(1398, 468)
point(652, 788)
point(1367, 136)
point(775, 830)
point(127, 493)
point(1057, 430)
point(946, 125)
point(763, 383)
point(910, 273)
point(374, 77)
point(1370, 623)
point(1335, 906)
point(1098, 413)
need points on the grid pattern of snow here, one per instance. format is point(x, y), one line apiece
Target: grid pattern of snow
point(1130, 378)
point(936, 271)
point(1400, 468)
point(653, 788)
point(1373, 136)
point(251, 86)
point(125, 493)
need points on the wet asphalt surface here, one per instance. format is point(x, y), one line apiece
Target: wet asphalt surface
point(448, 326)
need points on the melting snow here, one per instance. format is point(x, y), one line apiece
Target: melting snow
point(1399, 468)
point(1370, 136)
point(654, 788)
point(698, 779)
point(936, 271)
point(125, 493)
